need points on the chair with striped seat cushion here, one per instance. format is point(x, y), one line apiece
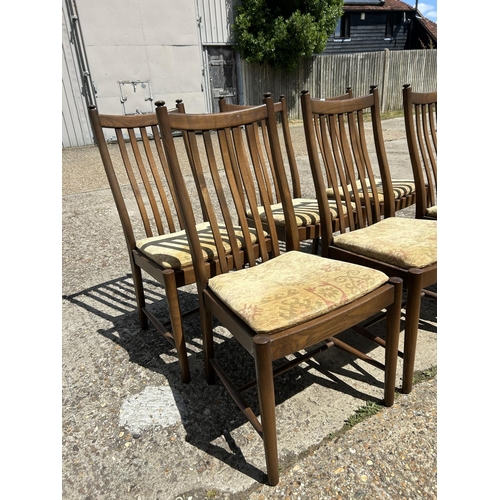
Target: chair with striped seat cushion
point(307, 213)
point(402, 188)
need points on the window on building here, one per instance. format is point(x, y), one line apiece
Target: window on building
point(343, 28)
point(389, 26)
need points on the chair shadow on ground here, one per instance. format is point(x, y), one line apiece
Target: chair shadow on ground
point(114, 301)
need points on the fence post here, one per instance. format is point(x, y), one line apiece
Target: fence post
point(383, 90)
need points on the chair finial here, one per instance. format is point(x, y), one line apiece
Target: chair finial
point(159, 103)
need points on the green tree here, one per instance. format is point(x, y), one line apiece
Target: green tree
point(280, 32)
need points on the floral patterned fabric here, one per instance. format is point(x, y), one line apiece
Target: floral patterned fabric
point(293, 288)
point(400, 187)
point(399, 241)
point(306, 212)
point(172, 250)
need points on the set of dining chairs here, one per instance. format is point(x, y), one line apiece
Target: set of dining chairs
point(216, 200)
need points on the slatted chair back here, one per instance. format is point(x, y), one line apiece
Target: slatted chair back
point(134, 161)
point(420, 111)
point(338, 129)
point(266, 161)
point(225, 162)
point(306, 210)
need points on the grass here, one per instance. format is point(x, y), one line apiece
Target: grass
point(371, 408)
point(362, 413)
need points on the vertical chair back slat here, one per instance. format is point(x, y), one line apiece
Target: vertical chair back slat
point(168, 178)
point(158, 183)
point(133, 181)
point(145, 179)
point(338, 176)
point(383, 164)
point(224, 206)
point(424, 142)
point(293, 241)
point(281, 107)
point(348, 142)
point(248, 180)
point(420, 111)
point(143, 163)
point(336, 127)
point(265, 174)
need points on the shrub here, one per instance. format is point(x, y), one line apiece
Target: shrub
point(280, 32)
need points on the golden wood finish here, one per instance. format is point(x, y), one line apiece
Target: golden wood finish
point(420, 111)
point(225, 167)
point(342, 138)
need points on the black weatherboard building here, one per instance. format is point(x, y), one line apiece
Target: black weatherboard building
point(375, 25)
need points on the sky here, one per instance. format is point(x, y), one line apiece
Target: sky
point(428, 8)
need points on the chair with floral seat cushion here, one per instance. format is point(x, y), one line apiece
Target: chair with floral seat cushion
point(398, 246)
point(141, 184)
point(305, 208)
point(279, 304)
point(420, 112)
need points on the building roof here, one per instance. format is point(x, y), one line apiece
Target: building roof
point(430, 26)
point(387, 5)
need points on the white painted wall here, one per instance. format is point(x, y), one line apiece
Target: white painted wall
point(156, 41)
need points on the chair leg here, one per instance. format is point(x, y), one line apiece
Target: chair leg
point(208, 342)
point(139, 295)
point(393, 325)
point(176, 324)
point(413, 300)
point(267, 404)
point(315, 246)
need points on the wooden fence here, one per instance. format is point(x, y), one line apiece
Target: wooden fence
point(330, 75)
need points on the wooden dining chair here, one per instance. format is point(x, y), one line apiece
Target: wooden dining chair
point(141, 184)
point(403, 247)
point(278, 304)
point(306, 210)
point(420, 112)
point(404, 189)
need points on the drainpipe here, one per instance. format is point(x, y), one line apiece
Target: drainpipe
point(76, 38)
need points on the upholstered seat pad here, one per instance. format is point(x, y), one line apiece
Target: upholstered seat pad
point(398, 241)
point(293, 288)
point(172, 250)
point(400, 187)
point(306, 212)
point(432, 212)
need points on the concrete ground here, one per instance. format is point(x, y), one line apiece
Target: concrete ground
point(133, 430)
